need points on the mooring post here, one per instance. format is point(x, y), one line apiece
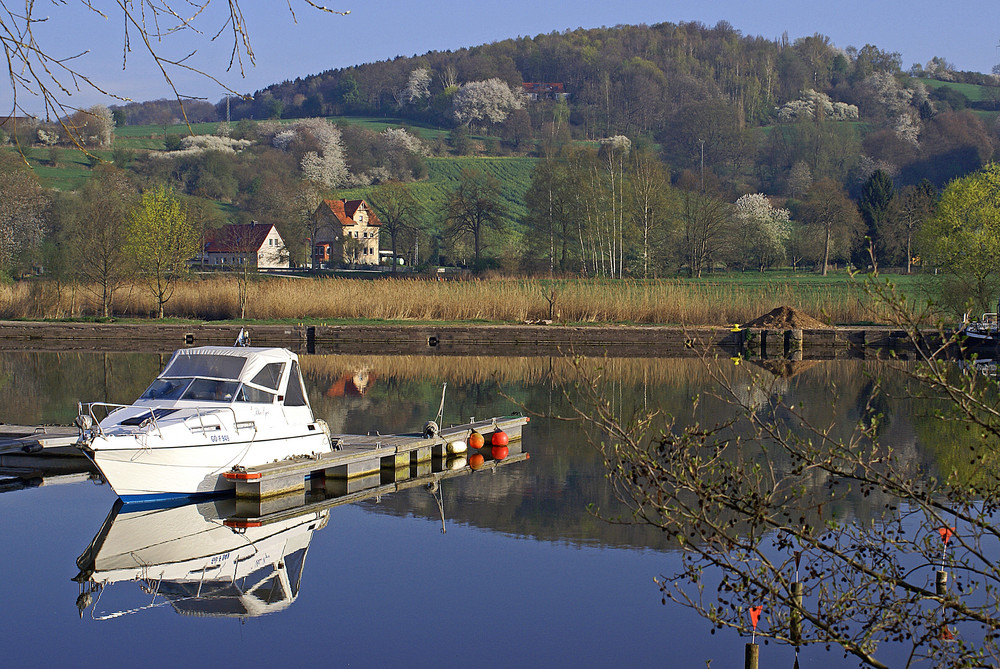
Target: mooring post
point(752, 656)
point(768, 338)
point(795, 618)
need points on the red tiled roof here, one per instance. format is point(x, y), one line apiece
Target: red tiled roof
point(237, 238)
point(344, 211)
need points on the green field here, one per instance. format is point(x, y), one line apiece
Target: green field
point(443, 177)
point(974, 92)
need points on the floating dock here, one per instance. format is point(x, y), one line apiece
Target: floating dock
point(32, 456)
point(359, 460)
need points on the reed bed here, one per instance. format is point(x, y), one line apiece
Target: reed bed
point(491, 300)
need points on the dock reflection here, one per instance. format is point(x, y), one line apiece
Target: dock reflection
point(228, 558)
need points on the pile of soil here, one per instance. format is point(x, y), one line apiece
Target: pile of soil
point(787, 318)
point(785, 369)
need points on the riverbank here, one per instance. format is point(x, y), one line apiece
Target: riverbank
point(717, 301)
point(457, 339)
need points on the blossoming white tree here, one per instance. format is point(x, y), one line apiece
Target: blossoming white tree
point(761, 230)
point(485, 102)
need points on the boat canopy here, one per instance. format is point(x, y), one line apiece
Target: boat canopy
point(261, 366)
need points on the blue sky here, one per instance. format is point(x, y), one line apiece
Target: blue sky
point(965, 33)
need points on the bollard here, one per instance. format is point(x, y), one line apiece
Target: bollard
point(793, 340)
point(768, 338)
point(752, 656)
point(941, 583)
point(795, 617)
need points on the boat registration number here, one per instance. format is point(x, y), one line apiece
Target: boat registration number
point(220, 437)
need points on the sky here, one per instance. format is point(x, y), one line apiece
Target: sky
point(966, 34)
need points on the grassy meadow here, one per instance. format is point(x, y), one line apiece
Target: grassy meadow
point(720, 300)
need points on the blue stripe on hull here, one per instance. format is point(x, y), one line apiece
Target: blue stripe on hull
point(166, 500)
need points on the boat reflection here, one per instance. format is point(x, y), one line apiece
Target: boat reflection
point(187, 557)
point(239, 558)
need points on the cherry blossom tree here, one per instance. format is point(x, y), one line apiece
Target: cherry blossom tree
point(761, 231)
point(485, 102)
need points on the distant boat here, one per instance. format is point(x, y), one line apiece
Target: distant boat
point(188, 557)
point(213, 409)
point(984, 332)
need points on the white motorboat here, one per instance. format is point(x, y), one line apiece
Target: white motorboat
point(190, 558)
point(212, 409)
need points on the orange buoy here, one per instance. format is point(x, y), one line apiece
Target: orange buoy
point(477, 460)
point(476, 440)
point(500, 452)
point(499, 438)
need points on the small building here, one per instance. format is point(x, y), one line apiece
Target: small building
point(235, 245)
point(345, 232)
point(537, 90)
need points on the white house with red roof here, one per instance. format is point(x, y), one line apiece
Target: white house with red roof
point(345, 232)
point(235, 245)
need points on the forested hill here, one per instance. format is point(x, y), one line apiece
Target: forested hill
point(679, 84)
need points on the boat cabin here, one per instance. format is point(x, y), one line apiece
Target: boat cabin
point(229, 374)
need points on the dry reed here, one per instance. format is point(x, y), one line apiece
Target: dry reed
point(493, 300)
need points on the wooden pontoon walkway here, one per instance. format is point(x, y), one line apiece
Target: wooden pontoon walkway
point(359, 456)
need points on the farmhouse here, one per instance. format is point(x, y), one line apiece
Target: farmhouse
point(236, 245)
point(345, 232)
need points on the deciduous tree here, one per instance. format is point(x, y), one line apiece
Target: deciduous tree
point(161, 242)
point(475, 207)
point(828, 209)
point(962, 238)
point(100, 234)
point(399, 212)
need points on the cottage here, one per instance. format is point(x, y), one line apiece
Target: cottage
point(236, 245)
point(537, 90)
point(345, 232)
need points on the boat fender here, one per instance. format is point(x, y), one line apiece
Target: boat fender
point(430, 429)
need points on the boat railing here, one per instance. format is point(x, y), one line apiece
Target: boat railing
point(237, 425)
point(111, 407)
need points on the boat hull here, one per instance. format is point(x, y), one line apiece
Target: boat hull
point(140, 471)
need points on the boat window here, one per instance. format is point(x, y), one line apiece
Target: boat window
point(294, 397)
point(207, 390)
point(270, 376)
point(165, 389)
point(251, 394)
point(269, 591)
point(212, 366)
point(294, 562)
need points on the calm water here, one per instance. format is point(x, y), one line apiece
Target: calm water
point(524, 575)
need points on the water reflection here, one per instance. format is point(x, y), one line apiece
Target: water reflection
point(240, 558)
point(188, 557)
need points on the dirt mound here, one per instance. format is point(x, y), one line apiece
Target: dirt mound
point(787, 318)
point(785, 369)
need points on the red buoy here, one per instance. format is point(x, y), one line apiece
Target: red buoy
point(500, 452)
point(477, 460)
point(476, 440)
point(499, 438)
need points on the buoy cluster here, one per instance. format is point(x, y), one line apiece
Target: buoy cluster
point(498, 447)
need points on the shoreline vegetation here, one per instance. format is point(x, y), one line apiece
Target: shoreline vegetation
point(723, 300)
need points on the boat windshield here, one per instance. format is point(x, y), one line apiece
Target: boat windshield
point(200, 390)
point(166, 389)
point(205, 365)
